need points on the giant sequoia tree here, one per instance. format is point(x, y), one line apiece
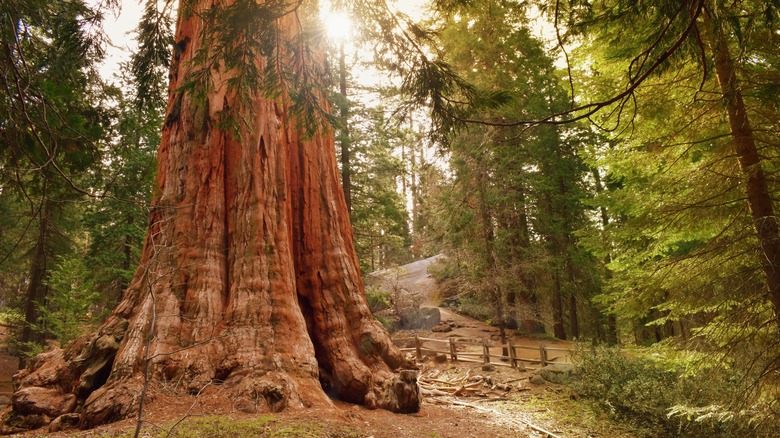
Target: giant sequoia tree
point(248, 275)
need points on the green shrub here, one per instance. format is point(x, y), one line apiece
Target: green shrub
point(443, 269)
point(471, 306)
point(389, 324)
point(656, 393)
point(378, 300)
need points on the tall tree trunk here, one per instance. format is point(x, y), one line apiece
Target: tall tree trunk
point(490, 257)
point(574, 323)
point(612, 334)
point(413, 189)
point(557, 307)
point(37, 291)
point(518, 226)
point(758, 196)
point(127, 257)
point(553, 238)
point(248, 276)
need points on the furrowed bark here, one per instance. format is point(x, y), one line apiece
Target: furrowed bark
point(248, 270)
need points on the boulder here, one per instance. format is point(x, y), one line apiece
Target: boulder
point(422, 318)
point(536, 379)
point(64, 422)
point(51, 402)
point(557, 373)
point(441, 328)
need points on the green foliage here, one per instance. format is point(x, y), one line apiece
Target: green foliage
point(683, 257)
point(515, 198)
point(117, 221)
point(266, 426)
point(443, 269)
point(54, 114)
point(378, 299)
point(652, 391)
point(475, 307)
point(389, 324)
point(151, 61)
point(379, 217)
point(71, 304)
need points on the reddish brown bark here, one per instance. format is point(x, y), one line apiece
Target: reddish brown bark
point(248, 277)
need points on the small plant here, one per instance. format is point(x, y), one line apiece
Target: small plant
point(471, 306)
point(378, 300)
point(388, 324)
point(443, 269)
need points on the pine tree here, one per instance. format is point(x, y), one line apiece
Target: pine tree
point(53, 115)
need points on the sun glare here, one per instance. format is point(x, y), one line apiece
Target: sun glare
point(338, 26)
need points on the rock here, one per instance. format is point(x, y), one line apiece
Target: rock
point(400, 393)
point(51, 402)
point(64, 422)
point(245, 405)
point(556, 373)
point(442, 328)
point(440, 358)
point(422, 318)
point(503, 386)
point(488, 367)
point(35, 421)
point(536, 379)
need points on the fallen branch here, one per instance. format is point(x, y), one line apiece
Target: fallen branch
point(523, 422)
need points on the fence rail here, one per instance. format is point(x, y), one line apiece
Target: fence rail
point(509, 352)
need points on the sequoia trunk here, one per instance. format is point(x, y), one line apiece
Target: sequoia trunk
point(248, 276)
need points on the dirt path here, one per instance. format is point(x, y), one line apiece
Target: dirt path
point(414, 279)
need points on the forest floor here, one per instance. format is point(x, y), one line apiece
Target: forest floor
point(499, 403)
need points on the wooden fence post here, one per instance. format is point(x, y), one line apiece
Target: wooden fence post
point(543, 355)
point(453, 351)
point(485, 351)
point(512, 356)
point(418, 346)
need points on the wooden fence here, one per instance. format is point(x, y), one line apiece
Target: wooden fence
point(511, 354)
